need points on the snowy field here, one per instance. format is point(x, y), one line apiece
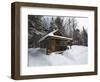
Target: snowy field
point(77, 55)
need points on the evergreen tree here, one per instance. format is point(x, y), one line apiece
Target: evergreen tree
point(77, 37)
point(52, 25)
point(59, 23)
point(34, 26)
point(84, 37)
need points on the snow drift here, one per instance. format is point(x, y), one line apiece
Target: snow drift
point(77, 55)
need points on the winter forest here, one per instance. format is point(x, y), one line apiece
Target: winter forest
point(70, 36)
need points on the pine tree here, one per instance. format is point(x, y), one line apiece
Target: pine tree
point(34, 26)
point(59, 23)
point(52, 25)
point(84, 37)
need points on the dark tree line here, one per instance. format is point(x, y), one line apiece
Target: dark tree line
point(39, 26)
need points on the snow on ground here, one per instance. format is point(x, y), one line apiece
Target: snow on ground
point(77, 55)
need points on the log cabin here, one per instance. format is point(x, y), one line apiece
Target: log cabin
point(54, 41)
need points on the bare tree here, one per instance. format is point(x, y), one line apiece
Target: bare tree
point(70, 26)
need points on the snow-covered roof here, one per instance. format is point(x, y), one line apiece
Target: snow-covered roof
point(61, 37)
point(56, 36)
